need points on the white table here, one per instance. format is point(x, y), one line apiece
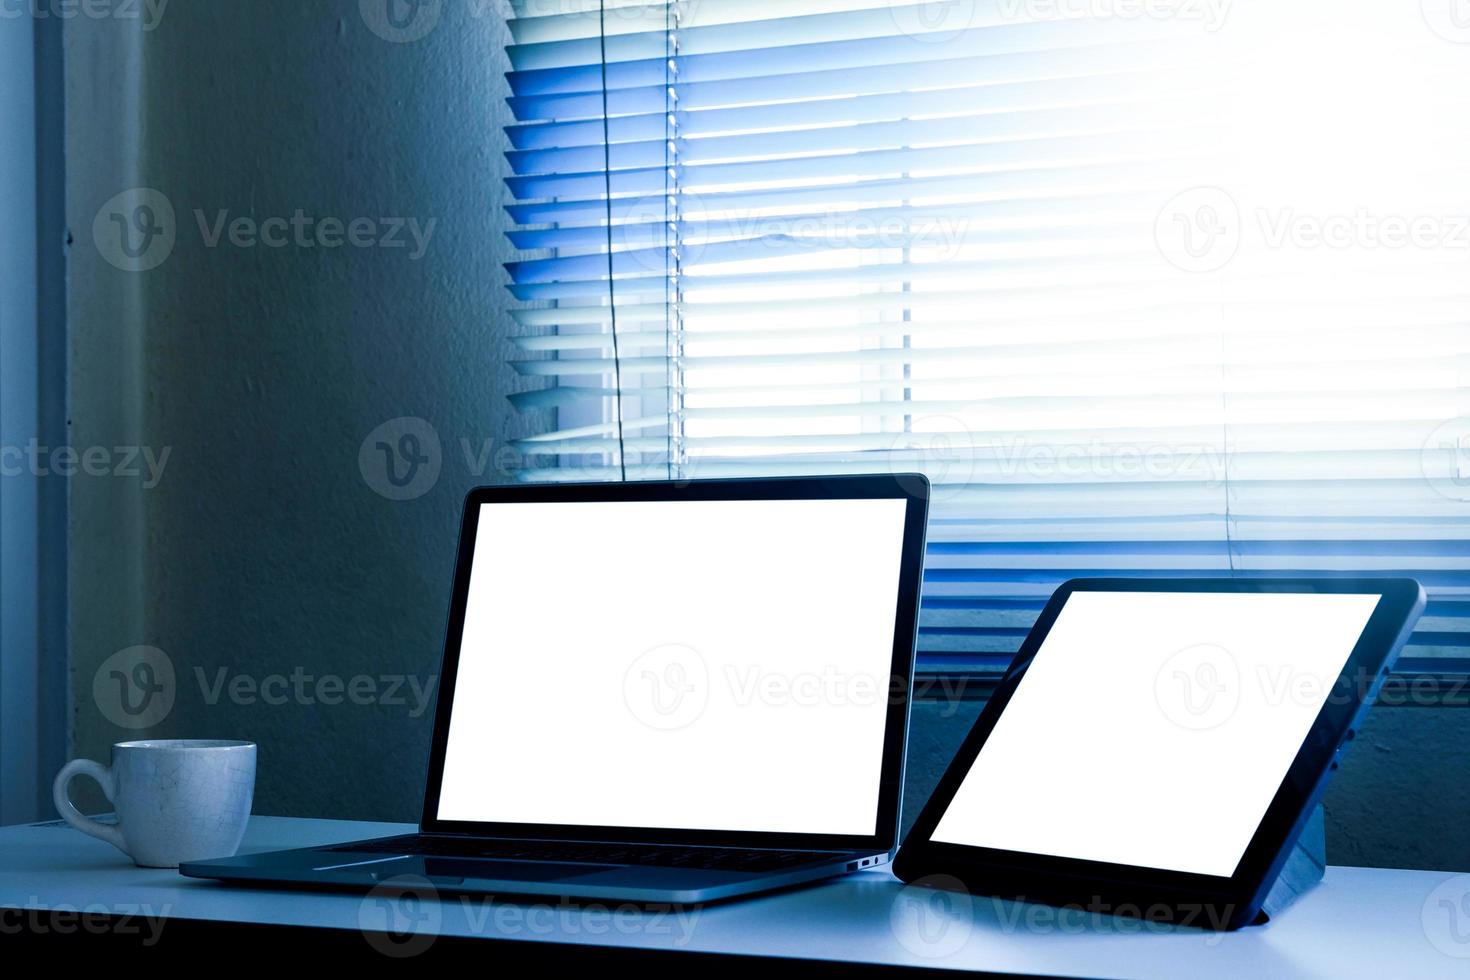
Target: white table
point(1358, 922)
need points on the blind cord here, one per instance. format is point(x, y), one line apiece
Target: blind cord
point(671, 398)
point(1225, 447)
point(612, 307)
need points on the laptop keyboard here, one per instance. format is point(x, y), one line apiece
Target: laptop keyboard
point(658, 855)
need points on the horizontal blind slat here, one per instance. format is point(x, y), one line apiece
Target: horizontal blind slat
point(1296, 413)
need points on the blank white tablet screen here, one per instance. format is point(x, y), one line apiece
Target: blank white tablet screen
point(1153, 729)
point(713, 665)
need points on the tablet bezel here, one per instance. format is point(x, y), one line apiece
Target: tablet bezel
point(1230, 901)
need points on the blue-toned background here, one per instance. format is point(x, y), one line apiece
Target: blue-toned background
point(264, 550)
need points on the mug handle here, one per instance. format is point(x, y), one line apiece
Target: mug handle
point(73, 816)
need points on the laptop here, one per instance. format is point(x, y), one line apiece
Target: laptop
point(660, 693)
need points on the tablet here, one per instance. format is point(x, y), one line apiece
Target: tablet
point(1157, 746)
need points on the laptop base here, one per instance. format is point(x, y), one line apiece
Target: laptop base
point(634, 884)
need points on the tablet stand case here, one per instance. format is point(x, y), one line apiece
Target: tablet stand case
point(1303, 869)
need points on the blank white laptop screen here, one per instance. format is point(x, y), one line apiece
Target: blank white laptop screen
point(699, 665)
point(1153, 729)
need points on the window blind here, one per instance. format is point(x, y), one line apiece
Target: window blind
point(1172, 288)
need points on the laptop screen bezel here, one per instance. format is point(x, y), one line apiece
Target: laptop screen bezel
point(912, 488)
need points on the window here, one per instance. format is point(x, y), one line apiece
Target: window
point(1174, 288)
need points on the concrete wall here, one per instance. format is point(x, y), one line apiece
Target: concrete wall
point(264, 552)
point(265, 555)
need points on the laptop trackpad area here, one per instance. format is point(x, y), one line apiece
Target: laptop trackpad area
point(436, 867)
point(457, 869)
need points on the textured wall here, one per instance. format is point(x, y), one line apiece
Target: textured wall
point(263, 563)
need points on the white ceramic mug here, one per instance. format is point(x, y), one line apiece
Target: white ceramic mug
point(176, 800)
